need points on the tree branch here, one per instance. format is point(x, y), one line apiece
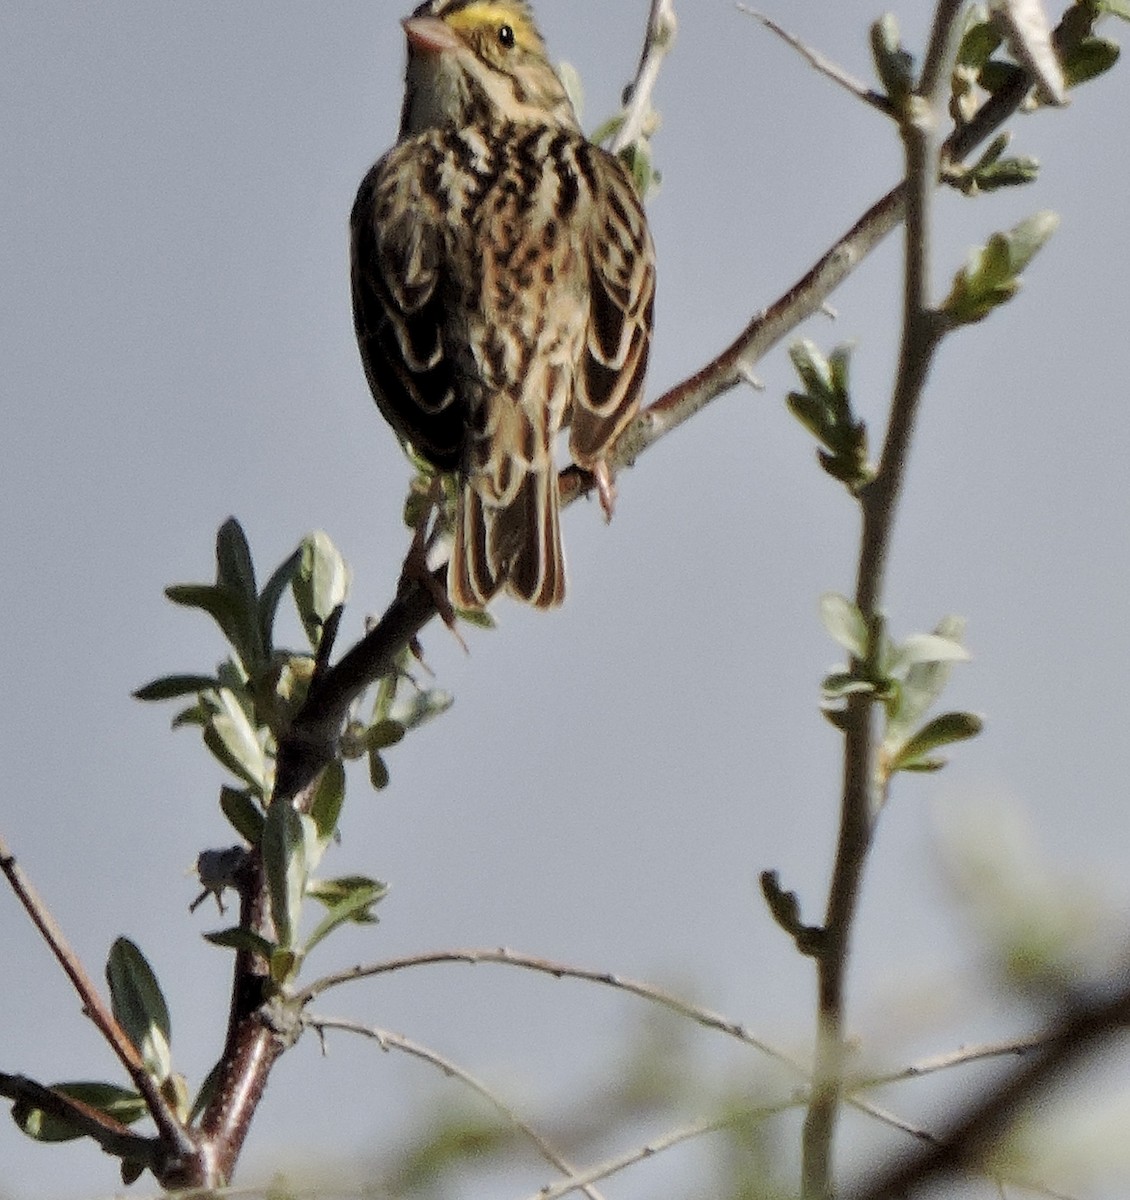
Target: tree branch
point(1081, 1028)
point(638, 116)
point(824, 65)
point(394, 1041)
point(175, 1138)
point(922, 114)
point(701, 1015)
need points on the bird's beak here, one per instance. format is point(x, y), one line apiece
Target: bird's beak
point(430, 35)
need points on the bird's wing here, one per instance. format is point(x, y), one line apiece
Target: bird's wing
point(401, 301)
point(621, 306)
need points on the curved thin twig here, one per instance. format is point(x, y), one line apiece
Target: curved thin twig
point(824, 65)
point(645, 991)
point(395, 1041)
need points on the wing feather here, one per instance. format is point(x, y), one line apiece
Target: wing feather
point(621, 311)
point(401, 302)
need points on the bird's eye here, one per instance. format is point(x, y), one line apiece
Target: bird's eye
point(506, 36)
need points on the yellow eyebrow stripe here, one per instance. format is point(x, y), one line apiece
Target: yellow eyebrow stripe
point(475, 16)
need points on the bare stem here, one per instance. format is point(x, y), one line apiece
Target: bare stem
point(173, 1134)
point(638, 116)
point(823, 64)
point(705, 1017)
point(394, 1041)
point(1082, 1026)
point(861, 801)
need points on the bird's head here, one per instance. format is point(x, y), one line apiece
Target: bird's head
point(479, 62)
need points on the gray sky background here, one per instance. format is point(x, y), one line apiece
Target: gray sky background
point(177, 346)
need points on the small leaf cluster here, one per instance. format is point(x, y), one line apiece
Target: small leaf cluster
point(244, 710)
point(824, 409)
point(244, 707)
point(992, 171)
point(140, 1010)
point(400, 706)
point(894, 64)
point(292, 844)
point(1082, 54)
point(907, 678)
point(991, 274)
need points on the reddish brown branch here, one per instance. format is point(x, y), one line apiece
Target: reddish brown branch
point(173, 1134)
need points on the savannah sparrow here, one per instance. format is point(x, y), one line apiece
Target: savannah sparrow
point(503, 284)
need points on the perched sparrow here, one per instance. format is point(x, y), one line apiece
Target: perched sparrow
point(503, 284)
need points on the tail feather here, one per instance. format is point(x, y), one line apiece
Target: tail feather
point(516, 547)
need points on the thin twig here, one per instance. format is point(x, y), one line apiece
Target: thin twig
point(922, 115)
point(645, 991)
point(394, 1041)
point(173, 1134)
point(638, 116)
point(963, 1056)
point(824, 65)
point(1084, 1025)
point(559, 970)
point(687, 1133)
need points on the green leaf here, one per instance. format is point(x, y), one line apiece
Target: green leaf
point(922, 684)
point(839, 684)
point(231, 601)
point(325, 809)
point(236, 938)
point(893, 65)
point(245, 816)
point(813, 368)
point(941, 731)
point(845, 623)
point(119, 1103)
point(284, 965)
point(233, 740)
point(172, 687)
point(637, 157)
point(139, 1007)
point(284, 859)
point(1093, 56)
point(990, 276)
point(222, 607)
point(1009, 172)
point(268, 603)
point(198, 714)
point(235, 572)
point(1116, 8)
point(384, 734)
point(928, 648)
point(354, 907)
point(824, 409)
point(331, 892)
point(838, 717)
point(320, 585)
point(420, 707)
point(996, 75)
point(809, 412)
point(378, 771)
point(478, 617)
point(980, 41)
point(206, 1092)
